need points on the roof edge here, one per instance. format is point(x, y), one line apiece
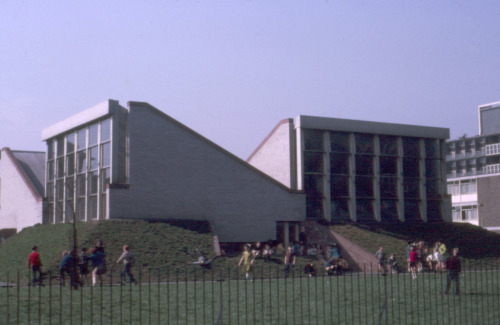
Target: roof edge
point(86, 116)
point(382, 128)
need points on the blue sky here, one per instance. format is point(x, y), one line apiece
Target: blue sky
point(231, 70)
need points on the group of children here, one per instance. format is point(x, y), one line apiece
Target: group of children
point(253, 252)
point(250, 254)
point(77, 267)
point(418, 258)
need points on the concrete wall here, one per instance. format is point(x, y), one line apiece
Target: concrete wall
point(176, 173)
point(274, 155)
point(488, 191)
point(19, 207)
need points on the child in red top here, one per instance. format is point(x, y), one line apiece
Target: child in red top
point(36, 265)
point(413, 257)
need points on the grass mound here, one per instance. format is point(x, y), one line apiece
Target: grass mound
point(154, 244)
point(474, 242)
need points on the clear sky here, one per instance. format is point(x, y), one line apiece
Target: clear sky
point(231, 70)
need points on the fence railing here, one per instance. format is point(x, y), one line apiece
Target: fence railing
point(225, 296)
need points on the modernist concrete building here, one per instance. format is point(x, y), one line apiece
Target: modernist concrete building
point(360, 171)
point(136, 162)
point(112, 162)
point(473, 171)
point(22, 188)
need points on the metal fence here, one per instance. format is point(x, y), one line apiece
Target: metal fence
point(224, 296)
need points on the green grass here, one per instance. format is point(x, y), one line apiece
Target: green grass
point(347, 299)
point(473, 242)
point(157, 244)
point(154, 244)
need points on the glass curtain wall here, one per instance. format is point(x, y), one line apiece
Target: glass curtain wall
point(432, 179)
point(364, 177)
point(78, 169)
point(313, 173)
point(388, 170)
point(339, 175)
point(411, 178)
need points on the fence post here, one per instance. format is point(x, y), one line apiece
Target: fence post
point(159, 295)
point(18, 297)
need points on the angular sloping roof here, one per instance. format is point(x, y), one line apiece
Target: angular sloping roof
point(31, 167)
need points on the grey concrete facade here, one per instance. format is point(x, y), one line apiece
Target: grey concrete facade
point(175, 173)
point(362, 171)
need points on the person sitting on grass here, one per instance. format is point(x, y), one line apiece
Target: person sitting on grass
point(257, 250)
point(267, 252)
point(310, 270)
point(393, 264)
point(332, 267)
point(334, 252)
point(203, 262)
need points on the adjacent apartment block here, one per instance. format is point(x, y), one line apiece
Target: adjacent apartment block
point(360, 171)
point(473, 172)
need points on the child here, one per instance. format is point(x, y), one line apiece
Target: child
point(128, 262)
point(247, 259)
point(267, 252)
point(310, 270)
point(84, 265)
point(380, 255)
point(68, 265)
point(393, 264)
point(413, 257)
point(36, 265)
point(98, 260)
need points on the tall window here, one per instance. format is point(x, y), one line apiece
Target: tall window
point(78, 171)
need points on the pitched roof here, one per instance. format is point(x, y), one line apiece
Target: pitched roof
point(31, 167)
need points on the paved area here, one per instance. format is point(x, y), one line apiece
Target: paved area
point(359, 259)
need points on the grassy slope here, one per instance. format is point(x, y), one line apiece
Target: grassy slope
point(154, 244)
point(51, 240)
point(161, 244)
point(473, 242)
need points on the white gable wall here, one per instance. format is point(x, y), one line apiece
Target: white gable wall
point(275, 155)
point(175, 173)
point(19, 207)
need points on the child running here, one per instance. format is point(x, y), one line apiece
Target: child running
point(247, 259)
